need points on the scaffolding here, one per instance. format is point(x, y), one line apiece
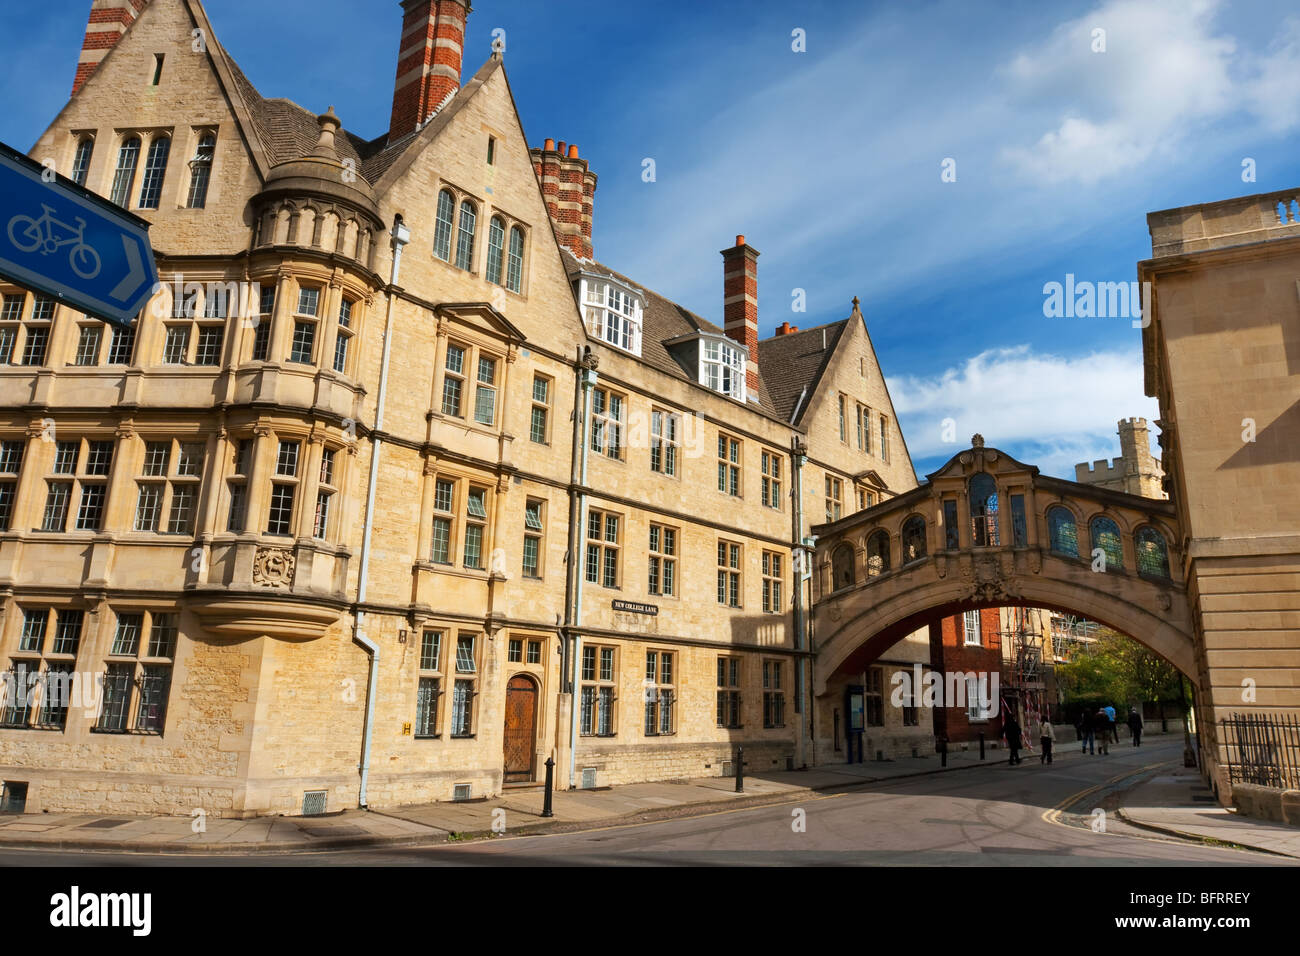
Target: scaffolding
point(1072, 636)
point(1028, 662)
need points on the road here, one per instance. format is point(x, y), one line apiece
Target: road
point(992, 815)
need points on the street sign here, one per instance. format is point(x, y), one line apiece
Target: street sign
point(62, 239)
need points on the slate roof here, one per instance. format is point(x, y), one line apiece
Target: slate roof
point(791, 362)
point(289, 131)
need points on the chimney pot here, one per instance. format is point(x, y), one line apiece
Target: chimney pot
point(740, 240)
point(569, 189)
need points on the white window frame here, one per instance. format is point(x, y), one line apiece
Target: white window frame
point(613, 312)
point(722, 368)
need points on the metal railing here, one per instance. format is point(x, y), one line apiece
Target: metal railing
point(1263, 749)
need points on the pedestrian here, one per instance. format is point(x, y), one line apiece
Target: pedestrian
point(1012, 729)
point(1135, 726)
point(1083, 726)
point(1101, 730)
point(1114, 725)
point(1045, 737)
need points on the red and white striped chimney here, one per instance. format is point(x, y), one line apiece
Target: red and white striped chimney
point(740, 303)
point(429, 59)
point(109, 19)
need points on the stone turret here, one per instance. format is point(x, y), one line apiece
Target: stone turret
point(1136, 471)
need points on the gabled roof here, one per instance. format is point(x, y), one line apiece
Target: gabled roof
point(662, 321)
point(796, 361)
point(285, 131)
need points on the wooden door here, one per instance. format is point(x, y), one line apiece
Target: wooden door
point(521, 726)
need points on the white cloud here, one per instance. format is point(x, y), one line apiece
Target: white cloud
point(1274, 93)
point(1046, 410)
point(1164, 71)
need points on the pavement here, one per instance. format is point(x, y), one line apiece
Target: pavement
point(1167, 802)
point(1178, 803)
point(516, 812)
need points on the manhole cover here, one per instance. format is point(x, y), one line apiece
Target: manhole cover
point(102, 824)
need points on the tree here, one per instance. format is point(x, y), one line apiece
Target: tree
point(1119, 670)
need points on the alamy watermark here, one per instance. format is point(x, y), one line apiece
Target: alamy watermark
point(1082, 299)
point(973, 691)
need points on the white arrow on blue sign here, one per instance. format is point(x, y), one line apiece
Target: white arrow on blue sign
point(59, 238)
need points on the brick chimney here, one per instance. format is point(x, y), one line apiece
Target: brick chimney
point(569, 188)
point(428, 60)
point(740, 303)
point(109, 19)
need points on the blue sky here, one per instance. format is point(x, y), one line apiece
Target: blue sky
point(829, 161)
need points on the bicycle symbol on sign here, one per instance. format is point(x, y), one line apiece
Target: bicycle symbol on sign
point(28, 235)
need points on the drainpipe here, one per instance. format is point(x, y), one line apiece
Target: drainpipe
point(401, 236)
point(587, 381)
point(798, 455)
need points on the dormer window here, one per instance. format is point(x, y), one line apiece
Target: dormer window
point(613, 313)
point(722, 368)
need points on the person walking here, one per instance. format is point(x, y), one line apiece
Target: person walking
point(1135, 726)
point(1046, 736)
point(1101, 730)
point(1083, 726)
point(1011, 728)
point(1114, 725)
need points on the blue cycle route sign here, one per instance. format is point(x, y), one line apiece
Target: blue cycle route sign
point(61, 239)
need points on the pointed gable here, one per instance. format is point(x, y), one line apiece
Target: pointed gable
point(792, 365)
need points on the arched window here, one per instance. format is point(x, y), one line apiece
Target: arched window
point(842, 567)
point(442, 229)
point(1062, 532)
point(496, 247)
point(878, 554)
point(984, 510)
point(155, 168)
point(81, 161)
point(913, 539)
point(465, 236)
point(127, 158)
point(1105, 535)
point(1152, 553)
point(515, 264)
point(201, 172)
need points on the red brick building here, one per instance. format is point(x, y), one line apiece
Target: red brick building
point(969, 643)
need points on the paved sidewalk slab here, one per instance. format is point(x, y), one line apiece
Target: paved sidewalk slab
point(1174, 803)
point(439, 822)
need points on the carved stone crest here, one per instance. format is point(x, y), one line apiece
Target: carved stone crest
point(273, 568)
point(988, 580)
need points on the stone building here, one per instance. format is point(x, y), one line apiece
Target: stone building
point(1136, 471)
point(1221, 353)
point(393, 491)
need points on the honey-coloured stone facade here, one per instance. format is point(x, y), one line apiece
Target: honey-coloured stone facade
point(344, 509)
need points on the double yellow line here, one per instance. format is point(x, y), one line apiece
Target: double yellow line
point(1054, 814)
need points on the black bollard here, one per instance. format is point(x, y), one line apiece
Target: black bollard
point(550, 786)
point(943, 751)
point(740, 770)
point(981, 746)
